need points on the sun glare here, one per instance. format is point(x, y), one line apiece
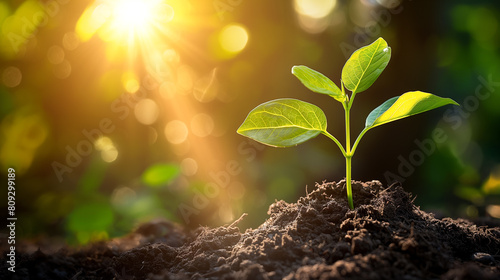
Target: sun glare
point(133, 15)
point(124, 20)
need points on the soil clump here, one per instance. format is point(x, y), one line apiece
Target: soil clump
point(385, 237)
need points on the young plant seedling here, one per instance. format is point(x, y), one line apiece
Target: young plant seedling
point(288, 122)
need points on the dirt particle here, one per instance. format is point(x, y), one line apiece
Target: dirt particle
point(483, 258)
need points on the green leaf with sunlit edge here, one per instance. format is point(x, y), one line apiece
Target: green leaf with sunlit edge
point(408, 104)
point(365, 65)
point(284, 122)
point(160, 174)
point(318, 82)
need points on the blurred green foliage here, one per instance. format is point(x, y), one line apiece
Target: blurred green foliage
point(468, 58)
point(160, 174)
point(89, 220)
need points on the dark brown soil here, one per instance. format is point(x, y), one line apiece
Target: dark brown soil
point(385, 237)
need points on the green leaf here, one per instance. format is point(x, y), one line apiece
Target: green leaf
point(377, 112)
point(160, 174)
point(365, 65)
point(317, 82)
point(408, 104)
point(284, 122)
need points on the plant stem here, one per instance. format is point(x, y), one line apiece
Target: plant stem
point(348, 181)
point(348, 154)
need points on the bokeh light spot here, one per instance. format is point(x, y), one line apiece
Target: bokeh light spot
point(132, 86)
point(109, 155)
point(189, 166)
point(233, 38)
point(55, 54)
point(70, 41)
point(314, 8)
point(130, 82)
point(62, 70)
point(493, 210)
point(202, 125)
point(176, 132)
point(312, 15)
point(105, 145)
point(11, 76)
point(146, 111)
point(471, 211)
point(152, 135)
point(123, 197)
point(164, 12)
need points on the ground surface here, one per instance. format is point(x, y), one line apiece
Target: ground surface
point(385, 237)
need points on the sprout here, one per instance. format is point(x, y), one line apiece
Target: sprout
point(289, 122)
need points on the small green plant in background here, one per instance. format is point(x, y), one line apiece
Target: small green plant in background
point(288, 122)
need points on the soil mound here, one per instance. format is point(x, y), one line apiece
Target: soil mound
point(385, 237)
